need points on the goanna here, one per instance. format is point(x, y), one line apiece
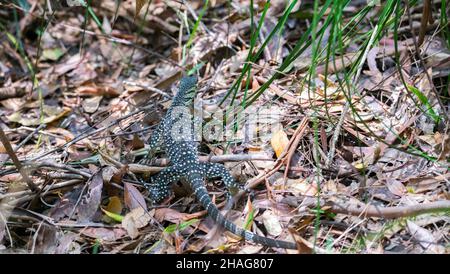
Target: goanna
point(174, 135)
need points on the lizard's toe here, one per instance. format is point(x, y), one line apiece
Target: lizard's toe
point(158, 194)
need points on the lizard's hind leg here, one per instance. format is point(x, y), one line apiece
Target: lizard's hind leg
point(159, 188)
point(214, 170)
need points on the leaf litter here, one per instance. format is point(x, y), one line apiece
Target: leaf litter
point(75, 120)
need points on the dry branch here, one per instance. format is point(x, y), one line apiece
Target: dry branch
point(388, 212)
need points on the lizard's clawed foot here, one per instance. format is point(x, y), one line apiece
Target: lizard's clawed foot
point(160, 184)
point(157, 193)
point(249, 191)
point(148, 160)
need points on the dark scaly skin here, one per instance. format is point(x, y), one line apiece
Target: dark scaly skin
point(182, 152)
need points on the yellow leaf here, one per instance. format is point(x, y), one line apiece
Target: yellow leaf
point(279, 142)
point(139, 5)
point(360, 166)
point(114, 205)
point(2, 149)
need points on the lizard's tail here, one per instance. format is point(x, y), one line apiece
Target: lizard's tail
point(202, 195)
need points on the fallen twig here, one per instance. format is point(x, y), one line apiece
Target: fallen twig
point(387, 212)
point(340, 205)
point(28, 194)
point(16, 161)
point(88, 133)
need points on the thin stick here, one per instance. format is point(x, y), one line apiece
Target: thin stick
point(426, 13)
point(87, 134)
point(388, 212)
point(16, 161)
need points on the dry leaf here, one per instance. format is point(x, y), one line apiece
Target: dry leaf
point(52, 54)
point(91, 199)
point(108, 172)
point(137, 143)
point(279, 142)
point(395, 187)
point(250, 249)
point(139, 5)
point(301, 187)
point(168, 214)
point(423, 184)
point(445, 148)
point(97, 90)
point(114, 205)
point(32, 118)
point(271, 223)
point(133, 198)
point(68, 65)
point(135, 219)
point(66, 134)
point(104, 234)
point(425, 238)
point(90, 105)
point(67, 244)
point(3, 149)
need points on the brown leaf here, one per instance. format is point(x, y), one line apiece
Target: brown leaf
point(65, 206)
point(3, 149)
point(108, 172)
point(301, 187)
point(11, 92)
point(105, 234)
point(68, 65)
point(395, 187)
point(97, 90)
point(66, 244)
point(90, 105)
point(168, 214)
point(32, 118)
point(137, 143)
point(66, 135)
point(133, 198)
point(45, 241)
point(423, 184)
point(425, 238)
point(91, 200)
point(445, 151)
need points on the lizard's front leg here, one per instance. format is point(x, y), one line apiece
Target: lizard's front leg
point(155, 143)
point(159, 188)
point(214, 170)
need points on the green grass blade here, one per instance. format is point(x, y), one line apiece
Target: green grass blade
point(424, 100)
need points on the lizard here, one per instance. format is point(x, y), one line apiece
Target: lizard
point(182, 151)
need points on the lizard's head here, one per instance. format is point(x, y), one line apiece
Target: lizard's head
point(186, 91)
